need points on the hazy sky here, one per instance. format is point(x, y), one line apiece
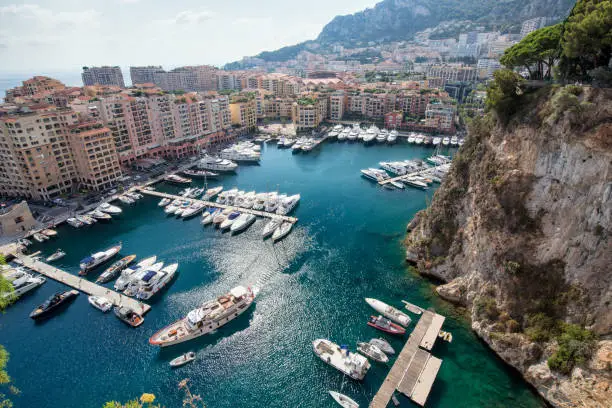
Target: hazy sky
point(63, 35)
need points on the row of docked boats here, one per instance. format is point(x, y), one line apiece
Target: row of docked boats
point(412, 173)
point(21, 281)
point(356, 365)
point(104, 212)
point(435, 141)
point(245, 151)
point(235, 221)
point(372, 134)
point(303, 144)
point(270, 202)
point(39, 236)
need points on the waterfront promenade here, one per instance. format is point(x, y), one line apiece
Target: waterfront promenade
point(81, 284)
point(287, 218)
point(415, 369)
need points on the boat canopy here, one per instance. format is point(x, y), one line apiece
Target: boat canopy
point(195, 316)
point(239, 291)
point(148, 276)
point(87, 260)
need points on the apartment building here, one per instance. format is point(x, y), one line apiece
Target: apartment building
point(277, 108)
point(179, 79)
point(452, 72)
point(40, 84)
point(244, 111)
point(440, 116)
point(36, 157)
point(227, 80)
point(306, 114)
point(108, 76)
point(337, 105)
point(531, 25)
point(95, 158)
point(144, 75)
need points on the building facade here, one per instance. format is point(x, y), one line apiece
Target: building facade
point(144, 75)
point(108, 76)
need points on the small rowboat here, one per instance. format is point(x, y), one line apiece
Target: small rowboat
point(386, 325)
point(182, 360)
point(343, 400)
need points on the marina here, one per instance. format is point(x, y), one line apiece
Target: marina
point(345, 247)
point(82, 285)
point(258, 213)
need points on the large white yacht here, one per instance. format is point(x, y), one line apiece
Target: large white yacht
point(206, 318)
point(126, 274)
point(98, 258)
point(354, 365)
point(216, 164)
point(154, 281)
point(22, 282)
point(240, 155)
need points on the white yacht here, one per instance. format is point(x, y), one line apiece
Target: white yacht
point(212, 193)
point(389, 311)
point(343, 135)
point(231, 218)
point(129, 271)
point(272, 203)
point(99, 215)
point(216, 164)
point(411, 181)
point(454, 141)
point(419, 139)
point(288, 204)
point(282, 231)
point(259, 203)
point(343, 400)
point(154, 281)
point(22, 282)
point(240, 155)
point(370, 350)
point(381, 138)
point(206, 318)
point(109, 209)
point(392, 138)
point(73, 222)
point(270, 227)
point(125, 199)
point(164, 202)
point(98, 258)
point(135, 279)
point(411, 138)
point(446, 141)
point(354, 134)
point(436, 140)
point(101, 303)
point(193, 210)
point(243, 222)
point(354, 365)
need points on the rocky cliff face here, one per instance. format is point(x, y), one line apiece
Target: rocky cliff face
point(519, 231)
point(401, 19)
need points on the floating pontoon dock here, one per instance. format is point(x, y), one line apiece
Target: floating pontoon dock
point(422, 172)
point(81, 284)
point(415, 369)
point(292, 220)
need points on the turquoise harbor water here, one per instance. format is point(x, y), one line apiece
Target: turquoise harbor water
point(346, 246)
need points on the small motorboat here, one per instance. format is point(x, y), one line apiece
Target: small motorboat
point(211, 193)
point(128, 316)
point(100, 303)
point(242, 223)
point(109, 209)
point(370, 350)
point(182, 360)
point(282, 231)
point(343, 400)
point(229, 221)
point(40, 237)
point(59, 254)
point(383, 345)
point(386, 325)
point(207, 217)
point(73, 222)
point(49, 232)
point(125, 199)
point(25, 242)
point(164, 202)
point(99, 215)
point(53, 303)
point(271, 227)
point(389, 311)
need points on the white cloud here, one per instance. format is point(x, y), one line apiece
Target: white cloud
point(190, 17)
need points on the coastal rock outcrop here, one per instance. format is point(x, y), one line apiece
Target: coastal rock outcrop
point(520, 234)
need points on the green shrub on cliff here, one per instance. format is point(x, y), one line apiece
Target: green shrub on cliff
point(504, 93)
point(575, 347)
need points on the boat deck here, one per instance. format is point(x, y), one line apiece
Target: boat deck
point(82, 285)
point(422, 172)
point(292, 220)
point(415, 369)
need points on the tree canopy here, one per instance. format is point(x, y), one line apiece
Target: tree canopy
point(587, 39)
point(537, 52)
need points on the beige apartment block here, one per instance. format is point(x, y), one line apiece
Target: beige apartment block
point(95, 157)
point(36, 158)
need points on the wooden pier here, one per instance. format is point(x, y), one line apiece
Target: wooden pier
point(81, 284)
point(415, 369)
point(422, 172)
point(287, 218)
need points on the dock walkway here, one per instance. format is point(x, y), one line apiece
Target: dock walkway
point(415, 369)
point(82, 285)
point(413, 174)
point(292, 220)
